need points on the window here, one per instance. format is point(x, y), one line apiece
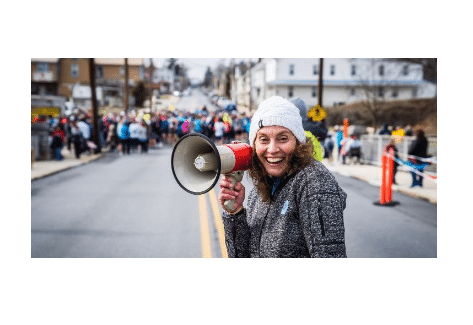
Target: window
point(405, 70)
point(352, 91)
point(353, 70)
point(315, 69)
point(381, 70)
point(290, 91)
point(42, 67)
point(75, 70)
point(122, 71)
point(314, 91)
point(395, 93)
point(380, 92)
point(332, 70)
point(414, 92)
point(291, 69)
point(99, 72)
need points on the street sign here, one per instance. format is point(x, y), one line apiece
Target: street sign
point(317, 113)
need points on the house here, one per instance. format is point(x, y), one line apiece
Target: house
point(44, 76)
point(69, 77)
point(110, 73)
point(344, 80)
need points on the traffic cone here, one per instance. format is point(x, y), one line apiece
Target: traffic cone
point(385, 191)
point(382, 190)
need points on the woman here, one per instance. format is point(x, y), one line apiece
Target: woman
point(296, 207)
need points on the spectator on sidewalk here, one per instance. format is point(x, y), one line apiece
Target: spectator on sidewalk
point(112, 137)
point(418, 149)
point(392, 145)
point(84, 128)
point(123, 133)
point(384, 130)
point(134, 135)
point(219, 128)
point(57, 142)
point(316, 131)
point(408, 131)
point(339, 137)
point(143, 136)
point(351, 148)
point(77, 138)
point(328, 147)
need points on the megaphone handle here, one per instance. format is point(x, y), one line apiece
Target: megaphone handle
point(236, 177)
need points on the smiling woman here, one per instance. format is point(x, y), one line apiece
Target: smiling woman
point(296, 207)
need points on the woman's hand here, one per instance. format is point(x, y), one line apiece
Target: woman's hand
point(228, 191)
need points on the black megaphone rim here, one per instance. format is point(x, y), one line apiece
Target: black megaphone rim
point(214, 147)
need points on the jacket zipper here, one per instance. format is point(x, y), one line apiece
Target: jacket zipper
point(261, 231)
point(322, 225)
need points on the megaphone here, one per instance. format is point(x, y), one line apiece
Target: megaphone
point(197, 163)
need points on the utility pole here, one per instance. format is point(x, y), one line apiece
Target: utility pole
point(125, 97)
point(150, 83)
point(321, 70)
point(233, 83)
point(249, 74)
point(95, 127)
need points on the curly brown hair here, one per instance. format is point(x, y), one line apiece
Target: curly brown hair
point(300, 158)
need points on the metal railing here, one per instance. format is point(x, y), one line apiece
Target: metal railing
point(372, 146)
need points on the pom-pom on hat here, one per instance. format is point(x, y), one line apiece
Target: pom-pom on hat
point(277, 111)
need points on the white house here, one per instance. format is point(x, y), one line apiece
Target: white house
point(344, 80)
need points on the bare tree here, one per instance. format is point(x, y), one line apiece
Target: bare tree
point(375, 77)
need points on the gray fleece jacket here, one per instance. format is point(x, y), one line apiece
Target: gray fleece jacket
point(304, 218)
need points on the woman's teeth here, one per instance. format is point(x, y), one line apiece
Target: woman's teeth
point(274, 160)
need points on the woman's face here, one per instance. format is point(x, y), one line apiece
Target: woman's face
point(274, 147)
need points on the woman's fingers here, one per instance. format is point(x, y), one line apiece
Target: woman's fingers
point(227, 192)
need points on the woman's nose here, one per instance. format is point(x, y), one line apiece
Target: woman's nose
point(273, 147)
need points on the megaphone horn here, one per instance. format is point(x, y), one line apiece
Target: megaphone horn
point(197, 163)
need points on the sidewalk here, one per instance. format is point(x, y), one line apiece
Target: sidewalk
point(44, 168)
point(372, 175)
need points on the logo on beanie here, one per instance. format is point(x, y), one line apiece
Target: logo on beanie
point(260, 124)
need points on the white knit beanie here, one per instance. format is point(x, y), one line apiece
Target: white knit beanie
point(277, 111)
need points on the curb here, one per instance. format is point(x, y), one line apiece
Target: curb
point(60, 169)
point(398, 189)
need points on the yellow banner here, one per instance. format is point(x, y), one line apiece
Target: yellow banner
point(46, 111)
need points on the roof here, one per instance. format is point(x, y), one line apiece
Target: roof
point(49, 60)
point(309, 82)
point(101, 61)
point(118, 61)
